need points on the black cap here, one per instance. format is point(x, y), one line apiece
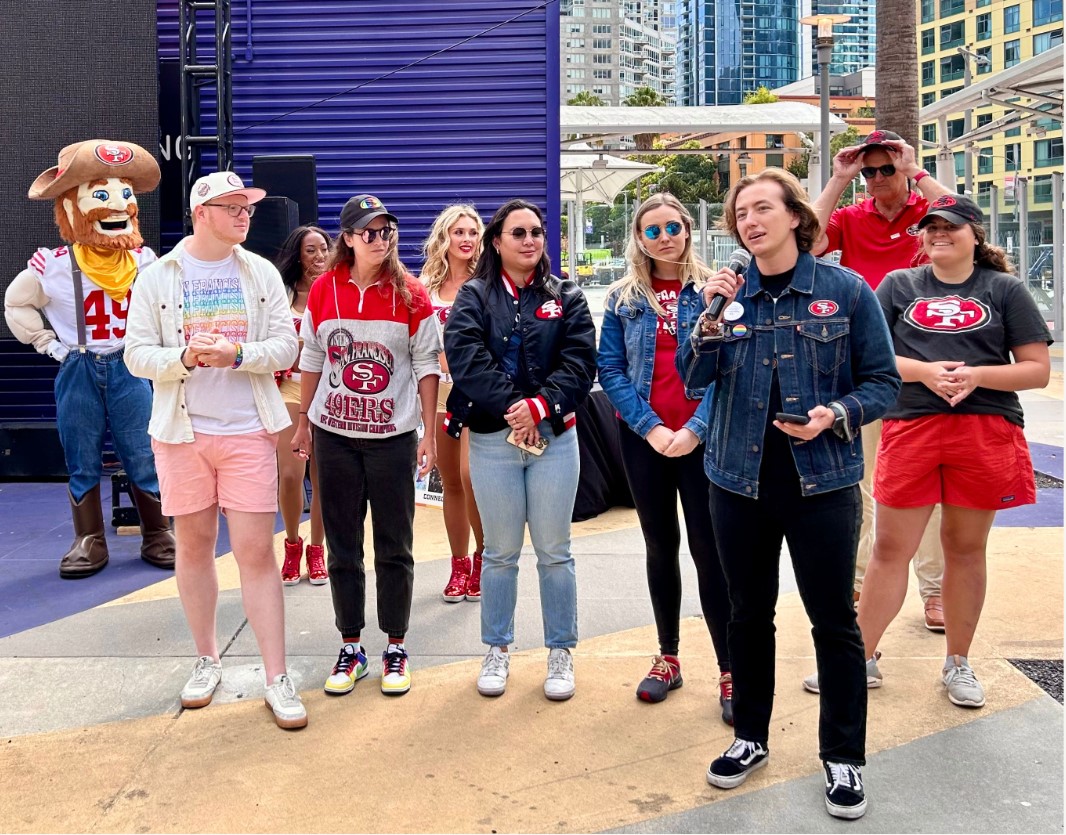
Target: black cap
point(362, 209)
point(877, 139)
point(955, 208)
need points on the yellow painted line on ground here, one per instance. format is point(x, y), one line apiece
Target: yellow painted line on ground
point(518, 763)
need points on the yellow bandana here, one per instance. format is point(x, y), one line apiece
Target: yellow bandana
point(112, 270)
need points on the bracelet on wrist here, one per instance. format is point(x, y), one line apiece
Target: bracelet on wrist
point(240, 356)
point(921, 175)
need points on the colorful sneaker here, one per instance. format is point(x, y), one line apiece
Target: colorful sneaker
point(350, 667)
point(282, 698)
point(492, 680)
point(456, 588)
point(874, 679)
point(664, 676)
point(473, 585)
point(290, 568)
point(733, 767)
point(844, 795)
point(200, 688)
point(725, 697)
point(559, 685)
point(964, 689)
point(395, 671)
point(316, 565)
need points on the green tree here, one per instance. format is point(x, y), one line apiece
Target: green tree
point(585, 99)
point(760, 95)
point(644, 97)
point(799, 166)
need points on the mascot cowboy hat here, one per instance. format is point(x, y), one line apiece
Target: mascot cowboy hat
point(94, 159)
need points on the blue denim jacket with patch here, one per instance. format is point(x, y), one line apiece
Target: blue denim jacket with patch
point(626, 359)
point(829, 340)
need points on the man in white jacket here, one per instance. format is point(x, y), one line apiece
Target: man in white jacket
point(209, 324)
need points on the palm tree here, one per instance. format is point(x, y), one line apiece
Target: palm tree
point(644, 97)
point(585, 99)
point(897, 68)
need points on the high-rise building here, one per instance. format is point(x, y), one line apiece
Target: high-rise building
point(854, 42)
point(610, 48)
point(726, 48)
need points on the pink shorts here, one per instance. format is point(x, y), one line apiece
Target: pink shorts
point(236, 472)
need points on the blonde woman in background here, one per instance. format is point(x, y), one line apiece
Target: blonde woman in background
point(451, 252)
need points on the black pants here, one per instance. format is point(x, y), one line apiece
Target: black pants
point(822, 533)
point(353, 472)
point(655, 482)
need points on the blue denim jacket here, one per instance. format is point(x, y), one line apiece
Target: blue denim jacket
point(830, 341)
point(627, 356)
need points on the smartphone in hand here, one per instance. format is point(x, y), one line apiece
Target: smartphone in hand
point(785, 417)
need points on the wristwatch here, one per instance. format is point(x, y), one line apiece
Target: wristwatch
point(841, 426)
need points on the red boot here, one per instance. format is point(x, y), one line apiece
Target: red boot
point(290, 569)
point(456, 588)
point(473, 586)
point(316, 565)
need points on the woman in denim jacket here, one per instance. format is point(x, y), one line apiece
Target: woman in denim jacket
point(808, 338)
point(662, 429)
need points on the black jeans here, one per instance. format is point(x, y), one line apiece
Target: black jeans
point(655, 482)
point(353, 472)
point(822, 532)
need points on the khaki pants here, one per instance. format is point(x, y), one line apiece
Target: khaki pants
point(929, 561)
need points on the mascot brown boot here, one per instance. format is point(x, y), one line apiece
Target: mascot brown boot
point(88, 553)
point(157, 539)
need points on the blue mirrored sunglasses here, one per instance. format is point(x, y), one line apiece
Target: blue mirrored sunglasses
point(673, 229)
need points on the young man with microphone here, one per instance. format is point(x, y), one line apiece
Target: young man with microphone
point(800, 357)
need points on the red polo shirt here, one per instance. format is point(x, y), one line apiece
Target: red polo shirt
point(871, 244)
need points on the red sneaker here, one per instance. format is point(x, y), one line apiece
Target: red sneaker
point(456, 588)
point(725, 697)
point(290, 569)
point(473, 585)
point(316, 565)
point(665, 675)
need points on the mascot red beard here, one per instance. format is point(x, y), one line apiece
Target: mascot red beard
point(83, 289)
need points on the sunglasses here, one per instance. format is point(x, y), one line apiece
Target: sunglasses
point(233, 209)
point(673, 229)
point(370, 235)
point(519, 233)
point(870, 171)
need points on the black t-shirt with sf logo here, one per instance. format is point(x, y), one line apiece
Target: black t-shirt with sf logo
point(976, 322)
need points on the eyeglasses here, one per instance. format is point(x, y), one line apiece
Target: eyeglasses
point(519, 233)
point(673, 229)
point(870, 171)
point(370, 235)
point(233, 209)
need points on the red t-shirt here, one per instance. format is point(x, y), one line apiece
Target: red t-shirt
point(871, 244)
point(667, 397)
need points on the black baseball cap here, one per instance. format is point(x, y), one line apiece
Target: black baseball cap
point(362, 209)
point(954, 208)
point(877, 138)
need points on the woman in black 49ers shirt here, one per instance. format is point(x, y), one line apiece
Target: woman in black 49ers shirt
point(955, 435)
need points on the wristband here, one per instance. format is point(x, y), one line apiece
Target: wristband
point(240, 356)
point(921, 175)
point(303, 413)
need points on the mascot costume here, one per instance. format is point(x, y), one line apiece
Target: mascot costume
point(83, 289)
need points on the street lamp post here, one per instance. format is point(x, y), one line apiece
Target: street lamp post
point(824, 42)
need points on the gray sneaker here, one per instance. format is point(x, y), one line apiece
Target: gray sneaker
point(282, 698)
point(874, 679)
point(200, 688)
point(492, 680)
point(559, 685)
point(964, 689)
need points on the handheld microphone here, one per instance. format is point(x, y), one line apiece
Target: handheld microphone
point(738, 262)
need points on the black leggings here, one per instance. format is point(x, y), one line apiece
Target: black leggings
point(655, 482)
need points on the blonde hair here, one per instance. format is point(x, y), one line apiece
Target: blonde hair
point(392, 267)
point(636, 283)
point(435, 248)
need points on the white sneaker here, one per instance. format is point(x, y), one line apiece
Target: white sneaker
point(199, 690)
point(492, 680)
point(559, 685)
point(282, 698)
point(964, 689)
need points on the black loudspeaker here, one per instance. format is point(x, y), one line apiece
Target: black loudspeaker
point(275, 218)
point(289, 176)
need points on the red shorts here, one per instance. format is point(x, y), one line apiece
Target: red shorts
point(976, 461)
point(236, 472)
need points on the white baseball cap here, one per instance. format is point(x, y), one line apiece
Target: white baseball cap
point(218, 184)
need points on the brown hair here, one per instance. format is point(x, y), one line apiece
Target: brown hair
point(392, 267)
point(80, 228)
point(987, 255)
point(796, 201)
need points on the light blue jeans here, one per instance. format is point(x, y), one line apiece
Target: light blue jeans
point(513, 489)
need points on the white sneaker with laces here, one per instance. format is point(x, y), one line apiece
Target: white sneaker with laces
point(282, 698)
point(559, 685)
point(964, 689)
point(200, 688)
point(492, 680)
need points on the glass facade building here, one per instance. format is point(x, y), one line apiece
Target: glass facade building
point(854, 42)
